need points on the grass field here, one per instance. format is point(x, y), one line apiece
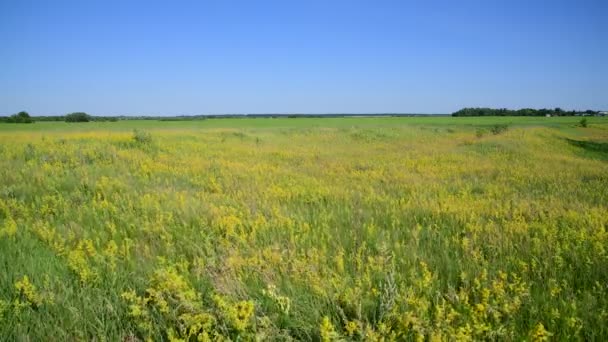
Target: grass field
point(305, 229)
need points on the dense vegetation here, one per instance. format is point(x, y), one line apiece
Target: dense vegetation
point(78, 117)
point(520, 112)
point(333, 229)
point(21, 117)
point(220, 116)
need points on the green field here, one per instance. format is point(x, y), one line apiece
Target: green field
point(251, 123)
point(371, 229)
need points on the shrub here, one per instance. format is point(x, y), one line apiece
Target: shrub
point(77, 117)
point(142, 137)
point(583, 122)
point(499, 128)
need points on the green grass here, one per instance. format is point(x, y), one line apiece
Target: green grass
point(254, 123)
point(300, 229)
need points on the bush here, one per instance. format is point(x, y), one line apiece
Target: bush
point(142, 137)
point(78, 117)
point(499, 128)
point(21, 117)
point(583, 122)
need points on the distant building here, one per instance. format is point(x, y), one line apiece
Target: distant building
point(548, 115)
point(604, 113)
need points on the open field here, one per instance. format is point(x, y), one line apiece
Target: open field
point(305, 229)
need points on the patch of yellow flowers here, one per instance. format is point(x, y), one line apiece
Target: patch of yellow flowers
point(375, 234)
point(171, 297)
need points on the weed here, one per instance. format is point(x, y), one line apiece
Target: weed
point(499, 128)
point(142, 137)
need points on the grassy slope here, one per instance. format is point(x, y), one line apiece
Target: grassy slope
point(403, 226)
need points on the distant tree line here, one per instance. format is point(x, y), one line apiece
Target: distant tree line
point(84, 117)
point(24, 117)
point(520, 112)
point(78, 117)
point(21, 117)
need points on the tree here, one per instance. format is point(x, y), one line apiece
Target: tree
point(518, 112)
point(77, 117)
point(21, 117)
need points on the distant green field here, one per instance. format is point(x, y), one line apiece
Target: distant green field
point(336, 229)
point(563, 122)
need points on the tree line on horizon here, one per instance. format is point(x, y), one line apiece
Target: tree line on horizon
point(24, 117)
point(477, 111)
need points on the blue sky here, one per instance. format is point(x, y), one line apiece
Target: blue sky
point(200, 57)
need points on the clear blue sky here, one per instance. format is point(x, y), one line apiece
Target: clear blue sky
point(326, 56)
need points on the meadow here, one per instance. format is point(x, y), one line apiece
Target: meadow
point(363, 229)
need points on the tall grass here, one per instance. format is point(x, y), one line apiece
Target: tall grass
point(304, 233)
